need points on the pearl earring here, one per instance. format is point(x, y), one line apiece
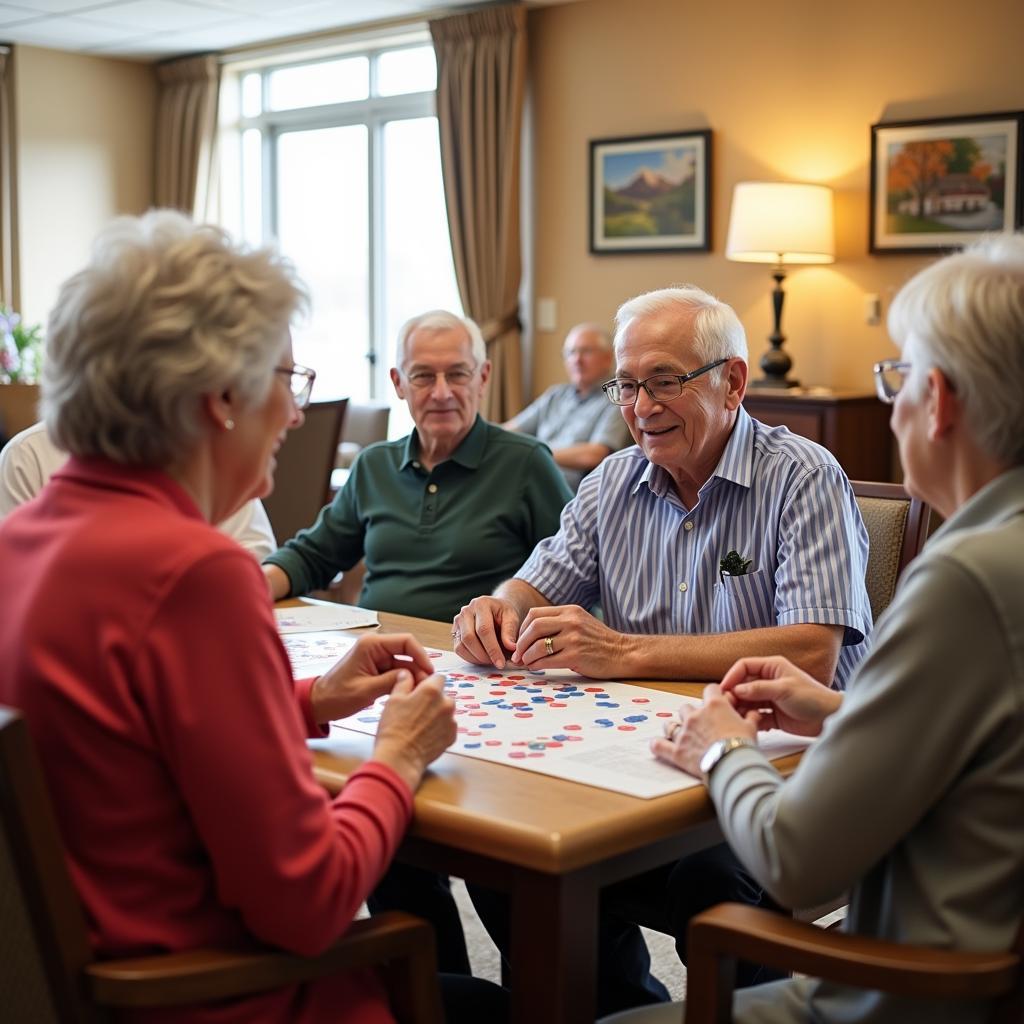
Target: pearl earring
point(229, 424)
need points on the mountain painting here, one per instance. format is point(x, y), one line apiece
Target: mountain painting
point(649, 194)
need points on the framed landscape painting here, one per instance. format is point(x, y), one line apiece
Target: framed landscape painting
point(650, 193)
point(940, 184)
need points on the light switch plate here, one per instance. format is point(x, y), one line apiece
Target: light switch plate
point(547, 314)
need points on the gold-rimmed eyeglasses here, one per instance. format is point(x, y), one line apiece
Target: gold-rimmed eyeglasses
point(661, 388)
point(890, 375)
point(300, 382)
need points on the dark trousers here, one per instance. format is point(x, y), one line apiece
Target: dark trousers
point(427, 895)
point(668, 898)
point(472, 1000)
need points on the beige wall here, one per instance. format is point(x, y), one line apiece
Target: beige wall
point(790, 90)
point(85, 154)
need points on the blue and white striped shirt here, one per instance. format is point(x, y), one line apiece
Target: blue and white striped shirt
point(776, 498)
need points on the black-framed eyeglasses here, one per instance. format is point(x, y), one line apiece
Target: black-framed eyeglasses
point(890, 375)
point(662, 387)
point(457, 378)
point(300, 382)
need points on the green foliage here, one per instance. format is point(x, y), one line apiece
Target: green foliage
point(21, 349)
point(734, 564)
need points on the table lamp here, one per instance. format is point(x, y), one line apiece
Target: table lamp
point(780, 223)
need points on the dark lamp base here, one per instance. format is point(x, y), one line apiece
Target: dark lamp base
point(774, 382)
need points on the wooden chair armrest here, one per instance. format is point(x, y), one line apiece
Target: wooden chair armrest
point(732, 931)
point(206, 974)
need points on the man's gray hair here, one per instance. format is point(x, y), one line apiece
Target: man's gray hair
point(604, 339)
point(441, 320)
point(965, 315)
point(165, 312)
point(717, 331)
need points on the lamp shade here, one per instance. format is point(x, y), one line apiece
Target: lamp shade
point(781, 222)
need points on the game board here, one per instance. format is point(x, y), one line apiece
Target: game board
point(565, 725)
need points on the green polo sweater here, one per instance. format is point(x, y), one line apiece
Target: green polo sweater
point(432, 540)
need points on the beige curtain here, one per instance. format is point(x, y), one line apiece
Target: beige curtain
point(481, 76)
point(9, 286)
point(186, 133)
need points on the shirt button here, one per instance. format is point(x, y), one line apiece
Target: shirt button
point(688, 525)
point(432, 488)
point(415, 465)
point(683, 588)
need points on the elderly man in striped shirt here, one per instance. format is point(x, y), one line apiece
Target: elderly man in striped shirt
point(715, 537)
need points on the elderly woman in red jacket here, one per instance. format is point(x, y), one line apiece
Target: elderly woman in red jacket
point(141, 646)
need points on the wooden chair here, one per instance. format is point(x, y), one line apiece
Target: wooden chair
point(47, 969)
point(897, 528)
point(302, 482)
point(364, 424)
point(730, 931)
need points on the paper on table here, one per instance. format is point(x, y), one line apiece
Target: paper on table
point(311, 618)
point(568, 726)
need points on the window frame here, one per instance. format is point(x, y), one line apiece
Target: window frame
point(375, 112)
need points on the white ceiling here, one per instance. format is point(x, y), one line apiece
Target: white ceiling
point(154, 29)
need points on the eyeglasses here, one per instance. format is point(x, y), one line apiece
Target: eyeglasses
point(426, 378)
point(300, 382)
point(662, 387)
point(890, 375)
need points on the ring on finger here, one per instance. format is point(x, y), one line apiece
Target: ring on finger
point(456, 635)
point(671, 728)
point(549, 645)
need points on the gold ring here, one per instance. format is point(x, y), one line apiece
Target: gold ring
point(549, 645)
point(671, 728)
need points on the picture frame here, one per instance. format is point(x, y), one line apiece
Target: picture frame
point(939, 184)
point(651, 193)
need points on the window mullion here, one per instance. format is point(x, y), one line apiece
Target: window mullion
point(377, 344)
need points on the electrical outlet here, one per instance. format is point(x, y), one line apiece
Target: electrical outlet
point(872, 310)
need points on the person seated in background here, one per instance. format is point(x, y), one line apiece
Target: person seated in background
point(575, 420)
point(439, 515)
point(141, 647)
point(716, 536)
point(938, 703)
point(30, 458)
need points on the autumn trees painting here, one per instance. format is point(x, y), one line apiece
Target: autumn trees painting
point(936, 184)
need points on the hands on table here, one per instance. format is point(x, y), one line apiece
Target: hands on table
point(492, 631)
point(417, 723)
point(755, 694)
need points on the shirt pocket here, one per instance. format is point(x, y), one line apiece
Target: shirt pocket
point(743, 602)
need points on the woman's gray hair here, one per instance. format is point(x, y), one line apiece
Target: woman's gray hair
point(441, 320)
point(717, 331)
point(965, 316)
point(165, 312)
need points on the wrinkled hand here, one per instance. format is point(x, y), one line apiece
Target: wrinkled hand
point(715, 719)
point(416, 725)
point(578, 641)
point(367, 671)
point(485, 630)
point(784, 696)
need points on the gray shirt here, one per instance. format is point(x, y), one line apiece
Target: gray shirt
point(912, 795)
point(562, 417)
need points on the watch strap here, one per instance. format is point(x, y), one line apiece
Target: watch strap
point(718, 750)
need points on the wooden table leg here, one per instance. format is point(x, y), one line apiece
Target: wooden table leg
point(553, 947)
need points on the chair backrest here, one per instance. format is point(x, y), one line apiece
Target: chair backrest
point(897, 528)
point(43, 942)
point(364, 424)
point(302, 481)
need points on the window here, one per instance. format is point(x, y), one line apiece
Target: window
point(338, 160)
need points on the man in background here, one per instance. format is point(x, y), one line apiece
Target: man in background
point(575, 420)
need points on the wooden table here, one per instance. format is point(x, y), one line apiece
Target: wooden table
point(550, 844)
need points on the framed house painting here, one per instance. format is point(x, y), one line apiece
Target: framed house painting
point(940, 184)
point(651, 193)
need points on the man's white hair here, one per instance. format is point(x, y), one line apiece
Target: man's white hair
point(717, 331)
point(965, 316)
point(441, 320)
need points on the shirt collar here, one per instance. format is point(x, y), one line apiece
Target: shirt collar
point(142, 480)
point(469, 453)
point(997, 501)
point(736, 464)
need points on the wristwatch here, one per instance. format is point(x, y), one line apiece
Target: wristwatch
point(718, 750)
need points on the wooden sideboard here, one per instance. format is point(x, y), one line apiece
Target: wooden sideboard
point(853, 426)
